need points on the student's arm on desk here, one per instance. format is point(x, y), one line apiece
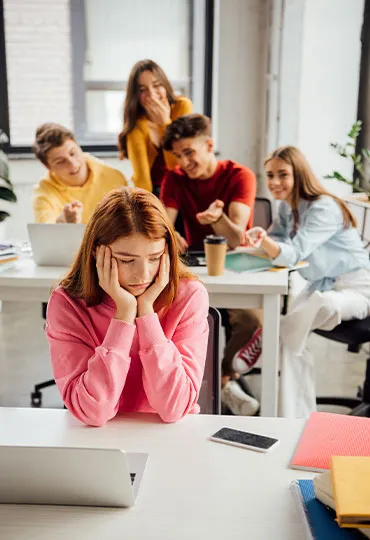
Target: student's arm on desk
point(173, 370)
point(233, 225)
point(90, 379)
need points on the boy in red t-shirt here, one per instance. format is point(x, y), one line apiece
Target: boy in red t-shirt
point(214, 197)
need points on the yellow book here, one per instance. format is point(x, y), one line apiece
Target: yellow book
point(351, 485)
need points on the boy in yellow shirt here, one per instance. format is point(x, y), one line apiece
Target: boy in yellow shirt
point(76, 182)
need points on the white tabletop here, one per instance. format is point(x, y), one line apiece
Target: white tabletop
point(34, 282)
point(192, 488)
point(26, 272)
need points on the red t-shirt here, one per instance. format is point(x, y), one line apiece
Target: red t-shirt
point(231, 182)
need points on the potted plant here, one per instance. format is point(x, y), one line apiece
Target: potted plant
point(6, 187)
point(361, 162)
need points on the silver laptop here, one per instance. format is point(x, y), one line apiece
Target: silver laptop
point(70, 476)
point(55, 244)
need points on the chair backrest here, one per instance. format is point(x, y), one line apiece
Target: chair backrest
point(262, 213)
point(209, 395)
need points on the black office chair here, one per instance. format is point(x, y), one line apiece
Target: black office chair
point(354, 334)
point(209, 396)
point(262, 213)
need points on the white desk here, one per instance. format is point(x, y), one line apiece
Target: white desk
point(28, 282)
point(192, 488)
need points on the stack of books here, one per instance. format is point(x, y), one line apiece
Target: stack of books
point(336, 503)
point(8, 256)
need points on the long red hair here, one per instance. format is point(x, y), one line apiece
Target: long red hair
point(123, 212)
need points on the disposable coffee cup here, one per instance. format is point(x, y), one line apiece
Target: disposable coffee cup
point(215, 250)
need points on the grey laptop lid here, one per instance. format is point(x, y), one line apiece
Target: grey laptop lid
point(55, 244)
point(70, 476)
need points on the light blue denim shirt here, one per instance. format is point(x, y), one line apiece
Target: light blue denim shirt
point(321, 239)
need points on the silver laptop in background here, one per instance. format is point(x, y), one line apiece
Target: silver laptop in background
point(70, 476)
point(55, 244)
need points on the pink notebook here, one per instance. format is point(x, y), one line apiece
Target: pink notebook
point(326, 435)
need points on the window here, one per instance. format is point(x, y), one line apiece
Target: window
point(69, 62)
point(118, 33)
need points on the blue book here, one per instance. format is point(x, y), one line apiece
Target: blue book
point(319, 521)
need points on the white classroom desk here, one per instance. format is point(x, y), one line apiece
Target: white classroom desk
point(28, 282)
point(192, 488)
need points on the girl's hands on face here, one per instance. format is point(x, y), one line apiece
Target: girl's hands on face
point(107, 269)
point(146, 301)
point(158, 112)
point(254, 237)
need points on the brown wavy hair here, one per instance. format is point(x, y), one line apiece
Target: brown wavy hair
point(132, 107)
point(49, 136)
point(306, 186)
point(123, 212)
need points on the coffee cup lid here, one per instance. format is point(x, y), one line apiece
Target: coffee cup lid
point(214, 239)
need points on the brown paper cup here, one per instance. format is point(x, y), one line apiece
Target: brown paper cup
point(215, 250)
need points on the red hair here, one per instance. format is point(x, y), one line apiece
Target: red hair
point(123, 212)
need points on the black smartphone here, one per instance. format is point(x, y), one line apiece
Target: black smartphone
point(244, 439)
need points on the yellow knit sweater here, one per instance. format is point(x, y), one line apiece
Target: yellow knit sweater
point(142, 152)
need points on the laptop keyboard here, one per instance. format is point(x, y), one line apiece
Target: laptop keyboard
point(194, 260)
point(133, 476)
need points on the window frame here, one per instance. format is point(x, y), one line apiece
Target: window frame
point(81, 87)
point(200, 58)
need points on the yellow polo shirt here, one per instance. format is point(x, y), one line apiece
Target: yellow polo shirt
point(51, 195)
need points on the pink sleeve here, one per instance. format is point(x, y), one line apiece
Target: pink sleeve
point(173, 369)
point(90, 378)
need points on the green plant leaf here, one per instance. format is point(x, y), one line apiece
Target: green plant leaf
point(4, 168)
point(3, 215)
point(7, 194)
point(338, 176)
point(355, 130)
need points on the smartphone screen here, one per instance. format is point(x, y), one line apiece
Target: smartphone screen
point(245, 439)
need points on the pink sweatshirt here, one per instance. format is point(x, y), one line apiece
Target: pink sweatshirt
point(103, 366)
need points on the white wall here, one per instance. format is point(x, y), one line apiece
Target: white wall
point(290, 79)
point(320, 79)
point(330, 79)
point(241, 80)
point(38, 55)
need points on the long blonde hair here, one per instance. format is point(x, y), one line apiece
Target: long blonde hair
point(306, 186)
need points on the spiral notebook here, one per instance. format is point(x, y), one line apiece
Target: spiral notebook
point(326, 435)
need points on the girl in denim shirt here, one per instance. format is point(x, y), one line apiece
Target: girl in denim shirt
point(314, 226)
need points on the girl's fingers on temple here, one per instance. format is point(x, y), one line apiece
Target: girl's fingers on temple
point(107, 264)
point(114, 271)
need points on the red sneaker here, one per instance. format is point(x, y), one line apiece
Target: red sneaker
point(246, 358)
